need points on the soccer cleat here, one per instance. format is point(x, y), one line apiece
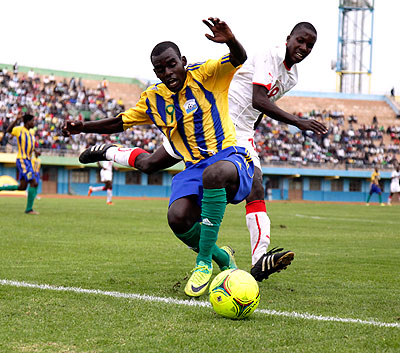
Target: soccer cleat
point(382, 204)
point(90, 191)
point(32, 212)
point(95, 153)
point(198, 281)
point(367, 204)
point(110, 203)
point(232, 262)
point(271, 262)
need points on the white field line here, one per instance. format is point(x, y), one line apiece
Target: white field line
point(363, 220)
point(150, 298)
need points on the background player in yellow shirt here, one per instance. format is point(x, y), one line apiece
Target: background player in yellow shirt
point(374, 187)
point(26, 145)
point(190, 107)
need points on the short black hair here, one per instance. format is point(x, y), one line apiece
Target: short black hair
point(163, 46)
point(305, 25)
point(28, 117)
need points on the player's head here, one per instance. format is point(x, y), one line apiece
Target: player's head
point(300, 42)
point(29, 121)
point(169, 65)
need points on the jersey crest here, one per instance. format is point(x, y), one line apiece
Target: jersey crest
point(190, 106)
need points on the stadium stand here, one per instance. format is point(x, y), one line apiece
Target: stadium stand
point(362, 132)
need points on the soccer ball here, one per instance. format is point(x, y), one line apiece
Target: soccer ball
point(234, 294)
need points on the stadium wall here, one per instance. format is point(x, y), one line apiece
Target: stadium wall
point(64, 175)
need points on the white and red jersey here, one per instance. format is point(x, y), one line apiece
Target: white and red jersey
point(267, 69)
point(394, 185)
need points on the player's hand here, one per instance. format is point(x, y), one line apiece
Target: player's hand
point(312, 125)
point(222, 32)
point(72, 128)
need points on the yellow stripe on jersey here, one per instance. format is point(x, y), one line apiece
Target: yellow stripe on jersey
point(36, 163)
point(196, 119)
point(26, 142)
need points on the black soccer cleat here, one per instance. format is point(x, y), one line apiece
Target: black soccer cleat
point(271, 262)
point(95, 154)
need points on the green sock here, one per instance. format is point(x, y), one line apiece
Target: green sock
point(191, 239)
point(369, 196)
point(212, 212)
point(380, 198)
point(31, 197)
point(9, 187)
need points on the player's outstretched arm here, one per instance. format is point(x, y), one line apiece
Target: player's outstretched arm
point(262, 103)
point(12, 125)
point(223, 34)
point(104, 126)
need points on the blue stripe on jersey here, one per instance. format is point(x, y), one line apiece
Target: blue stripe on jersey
point(180, 124)
point(31, 149)
point(198, 125)
point(149, 112)
point(160, 102)
point(219, 132)
point(194, 66)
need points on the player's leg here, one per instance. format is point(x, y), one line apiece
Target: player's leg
point(108, 186)
point(32, 192)
point(257, 220)
point(390, 199)
point(130, 157)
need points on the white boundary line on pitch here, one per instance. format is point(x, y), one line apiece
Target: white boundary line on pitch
point(150, 298)
point(345, 219)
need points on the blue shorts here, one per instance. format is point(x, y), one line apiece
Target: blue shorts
point(25, 169)
point(375, 188)
point(190, 181)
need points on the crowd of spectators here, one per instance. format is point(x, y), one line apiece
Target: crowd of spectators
point(347, 142)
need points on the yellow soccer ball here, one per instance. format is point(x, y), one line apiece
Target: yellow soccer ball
point(234, 294)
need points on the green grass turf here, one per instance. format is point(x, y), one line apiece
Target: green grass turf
point(347, 265)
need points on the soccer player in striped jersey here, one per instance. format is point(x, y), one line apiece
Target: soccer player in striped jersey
point(262, 80)
point(26, 145)
point(190, 107)
point(375, 187)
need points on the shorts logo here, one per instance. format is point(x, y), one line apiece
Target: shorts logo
point(190, 106)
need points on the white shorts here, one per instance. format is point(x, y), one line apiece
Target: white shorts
point(394, 187)
point(248, 143)
point(105, 175)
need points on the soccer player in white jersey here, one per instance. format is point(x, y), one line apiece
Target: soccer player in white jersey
point(394, 184)
point(106, 174)
point(263, 79)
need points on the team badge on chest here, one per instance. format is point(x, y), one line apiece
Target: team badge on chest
point(190, 106)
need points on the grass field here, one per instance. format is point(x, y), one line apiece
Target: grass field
point(347, 266)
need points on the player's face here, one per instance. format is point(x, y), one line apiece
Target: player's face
point(299, 46)
point(30, 124)
point(170, 69)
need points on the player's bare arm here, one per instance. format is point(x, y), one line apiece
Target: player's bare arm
point(18, 119)
point(262, 103)
point(223, 34)
point(104, 126)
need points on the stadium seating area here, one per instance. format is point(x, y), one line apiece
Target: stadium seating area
point(361, 133)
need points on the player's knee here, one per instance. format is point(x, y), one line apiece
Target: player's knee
point(178, 221)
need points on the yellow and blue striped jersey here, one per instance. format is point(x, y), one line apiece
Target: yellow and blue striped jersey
point(36, 163)
point(26, 141)
point(375, 177)
point(196, 119)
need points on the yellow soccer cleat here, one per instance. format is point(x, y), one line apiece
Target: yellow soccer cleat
point(198, 281)
point(232, 263)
